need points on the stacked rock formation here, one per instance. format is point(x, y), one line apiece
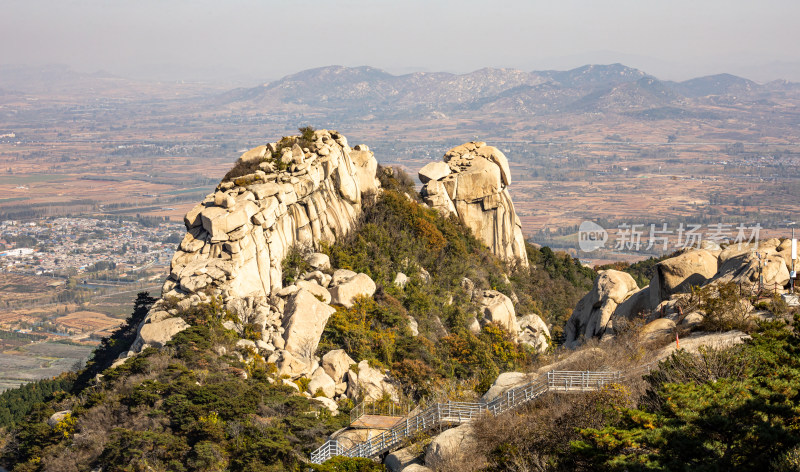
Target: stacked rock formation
point(472, 183)
point(300, 191)
point(615, 296)
point(593, 313)
point(238, 236)
point(495, 307)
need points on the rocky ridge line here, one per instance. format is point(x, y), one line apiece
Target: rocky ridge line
point(302, 190)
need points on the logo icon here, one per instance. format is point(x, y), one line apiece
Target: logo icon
point(591, 236)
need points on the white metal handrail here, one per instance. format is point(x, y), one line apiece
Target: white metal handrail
point(580, 381)
point(378, 407)
point(326, 451)
point(449, 413)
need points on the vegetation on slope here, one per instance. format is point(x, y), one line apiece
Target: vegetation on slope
point(15, 404)
point(399, 235)
point(195, 405)
point(188, 407)
point(726, 409)
point(735, 409)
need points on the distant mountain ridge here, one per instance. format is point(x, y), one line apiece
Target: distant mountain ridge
point(592, 88)
point(344, 94)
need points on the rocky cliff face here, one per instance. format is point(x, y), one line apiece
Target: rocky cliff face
point(302, 190)
point(472, 183)
point(593, 313)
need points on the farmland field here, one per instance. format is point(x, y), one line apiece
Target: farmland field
point(39, 361)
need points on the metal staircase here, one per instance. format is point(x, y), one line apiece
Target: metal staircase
point(445, 414)
point(363, 412)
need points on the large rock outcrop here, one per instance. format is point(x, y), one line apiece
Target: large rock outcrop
point(301, 190)
point(347, 290)
point(336, 364)
point(454, 449)
point(534, 332)
point(370, 383)
point(741, 264)
point(472, 183)
point(505, 382)
point(402, 459)
point(238, 236)
point(679, 274)
point(304, 320)
point(615, 298)
point(498, 308)
point(593, 312)
point(157, 333)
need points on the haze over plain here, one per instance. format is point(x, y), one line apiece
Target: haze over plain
point(248, 41)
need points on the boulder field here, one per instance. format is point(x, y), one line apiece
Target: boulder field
point(616, 297)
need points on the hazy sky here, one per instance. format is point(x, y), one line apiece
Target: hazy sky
point(264, 40)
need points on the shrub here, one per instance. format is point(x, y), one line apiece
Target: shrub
point(294, 264)
point(302, 383)
point(240, 169)
point(110, 348)
point(208, 456)
point(366, 330)
point(538, 435)
point(65, 427)
point(16, 403)
point(140, 450)
point(306, 134)
point(708, 365)
point(417, 377)
point(484, 355)
point(789, 461)
point(396, 179)
point(244, 182)
point(724, 306)
point(778, 306)
point(551, 286)
point(347, 464)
